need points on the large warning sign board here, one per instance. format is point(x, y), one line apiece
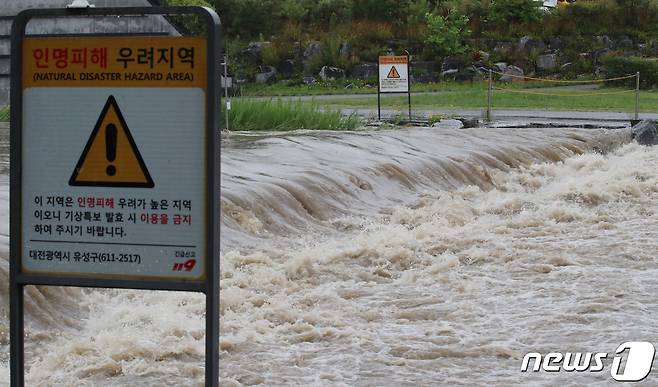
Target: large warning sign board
point(114, 157)
point(393, 74)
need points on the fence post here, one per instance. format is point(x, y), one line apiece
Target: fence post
point(489, 96)
point(637, 95)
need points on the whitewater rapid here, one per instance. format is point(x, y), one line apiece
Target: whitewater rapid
point(407, 257)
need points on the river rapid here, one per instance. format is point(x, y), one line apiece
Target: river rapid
point(407, 257)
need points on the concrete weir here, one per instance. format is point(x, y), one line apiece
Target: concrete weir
point(157, 25)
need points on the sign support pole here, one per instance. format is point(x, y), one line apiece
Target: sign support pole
point(17, 334)
point(409, 82)
point(16, 289)
point(379, 101)
point(209, 234)
point(489, 95)
point(228, 103)
point(637, 96)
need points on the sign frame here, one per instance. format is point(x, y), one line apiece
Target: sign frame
point(379, 84)
point(18, 279)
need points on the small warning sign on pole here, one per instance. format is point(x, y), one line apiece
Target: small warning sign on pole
point(111, 157)
point(393, 78)
point(393, 74)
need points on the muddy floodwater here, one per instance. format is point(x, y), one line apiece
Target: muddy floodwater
point(412, 257)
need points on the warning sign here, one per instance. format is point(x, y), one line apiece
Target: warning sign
point(393, 74)
point(115, 158)
point(111, 157)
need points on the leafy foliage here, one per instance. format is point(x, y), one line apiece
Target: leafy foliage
point(445, 35)
point(619, 66)
point(190, 22)
point(249, 114)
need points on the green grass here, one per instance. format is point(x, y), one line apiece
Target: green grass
point(476, 98)
point(288, 88)
point(4, 114)
point(246, 114)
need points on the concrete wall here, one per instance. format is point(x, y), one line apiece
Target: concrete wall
point(101, 25)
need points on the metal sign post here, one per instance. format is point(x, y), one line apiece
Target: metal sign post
point(394, 77)
point(637, 96)
point(489, 95)
point(115, 164)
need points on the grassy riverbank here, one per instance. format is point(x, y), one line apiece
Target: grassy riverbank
point(475, 97)
point(351, 87)
point(248, 114)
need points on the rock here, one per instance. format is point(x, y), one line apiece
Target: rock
point(645, 133)
point(653, 47)
point(512, 74)
point(424, 71)
point(547, 62)
point(425, 66)
point(448, 124)
point(309, 80)
point(453, 62)
point(598, 55)
point(556, 43)
point(566, 67)
point(286, 67)
point(605, 41)
point(469, 123)
point(469, 74)
point(528, 44)
point(345, 50)
point(450, 74)
point(328, 73)
point(481, 56)
point(503, 48)
point(312, 49)
point(364, 71)
point(267, 74)
point(500, 67)
point(254, 52)
point(423, 78)
point(625, 43)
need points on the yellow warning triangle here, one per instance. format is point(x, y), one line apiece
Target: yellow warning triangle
point(393, 73)
point(111, 157)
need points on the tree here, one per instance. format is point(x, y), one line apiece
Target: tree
point(445, 35)
point(189, 22)
point(515, 11)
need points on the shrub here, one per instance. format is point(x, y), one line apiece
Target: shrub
point(248, 114)
point(619, 66)
point(330, 55)
point(445, 35)
point(515, 11)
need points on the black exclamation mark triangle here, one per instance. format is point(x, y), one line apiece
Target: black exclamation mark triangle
point(111, 148)
point(111, 157)
point(393, 73)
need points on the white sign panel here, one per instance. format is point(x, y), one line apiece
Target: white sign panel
point(393, 74)
point(114, 158)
